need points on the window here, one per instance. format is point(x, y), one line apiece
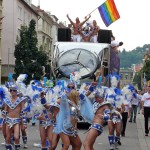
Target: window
point(126, 76)
point(24, 18)
point(29, 18)
point(18, 34)
point(19, 12)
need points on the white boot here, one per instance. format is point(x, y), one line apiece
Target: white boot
point(111, 147)
point(116, 145)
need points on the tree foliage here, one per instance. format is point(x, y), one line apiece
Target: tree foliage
point(127, 58)
point(146, 69)
point(137, 80)
point(29, 59)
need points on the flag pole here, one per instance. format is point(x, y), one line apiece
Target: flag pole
point(91, 12)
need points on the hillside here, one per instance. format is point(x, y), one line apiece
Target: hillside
point(135, 56)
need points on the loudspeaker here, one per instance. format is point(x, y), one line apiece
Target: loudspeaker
point(64, 34)
point(104, 36)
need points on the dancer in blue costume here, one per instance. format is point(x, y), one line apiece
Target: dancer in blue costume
point(72, 105)
point(102, 112)
point(4, 93)
point(114, 123)
point(13, 112)
point(22, 92)
point(49, 118)
point(67, 121)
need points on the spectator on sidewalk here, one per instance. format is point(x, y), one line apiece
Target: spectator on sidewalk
point(125, 116)
point(134, 106)
point(146, 108)
point(139, 105)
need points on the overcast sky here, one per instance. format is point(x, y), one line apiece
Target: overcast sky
point(133, 28)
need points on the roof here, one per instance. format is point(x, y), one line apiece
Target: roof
point(138, 67)
point(27, 5)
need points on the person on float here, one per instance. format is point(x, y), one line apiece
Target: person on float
point(115, 59)
point(77, 26)
point(94, 29)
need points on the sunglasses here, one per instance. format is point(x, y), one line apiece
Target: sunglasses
point(13, 90)
point(71, 87)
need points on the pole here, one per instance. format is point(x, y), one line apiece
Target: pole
point(91, 12)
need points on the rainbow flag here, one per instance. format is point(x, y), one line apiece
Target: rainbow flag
point(108, 12)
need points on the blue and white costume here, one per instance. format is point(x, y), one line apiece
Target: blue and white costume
point(12, 121)
point(63, 123)
point(115, 97)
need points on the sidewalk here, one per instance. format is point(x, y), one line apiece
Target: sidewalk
point(143, 140)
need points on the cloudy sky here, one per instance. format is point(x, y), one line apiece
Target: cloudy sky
point(133, 28)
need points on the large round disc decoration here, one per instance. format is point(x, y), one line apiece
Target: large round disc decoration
point(77, 60)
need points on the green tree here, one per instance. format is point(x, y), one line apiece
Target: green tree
point(127, 58)
point(137, 80)
point(29, 59)
point(146, 69)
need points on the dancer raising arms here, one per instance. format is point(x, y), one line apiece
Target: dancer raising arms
point(77, 26)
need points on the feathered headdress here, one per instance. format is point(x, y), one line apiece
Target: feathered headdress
point(129, 92)
point(4, 93)
point(21, 85)
point(100, 91)
point(114, 79)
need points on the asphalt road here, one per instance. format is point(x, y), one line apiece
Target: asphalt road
point(130, 142)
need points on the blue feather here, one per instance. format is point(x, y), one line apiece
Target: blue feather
point(99, 81)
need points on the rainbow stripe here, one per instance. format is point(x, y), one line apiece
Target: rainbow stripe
point(108, 12)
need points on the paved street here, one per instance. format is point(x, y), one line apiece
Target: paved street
point(135, 138)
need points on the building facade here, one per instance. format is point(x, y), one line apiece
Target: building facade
point(1, 21)
point(17, 13)
point(127, 77)
point(44, 32)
